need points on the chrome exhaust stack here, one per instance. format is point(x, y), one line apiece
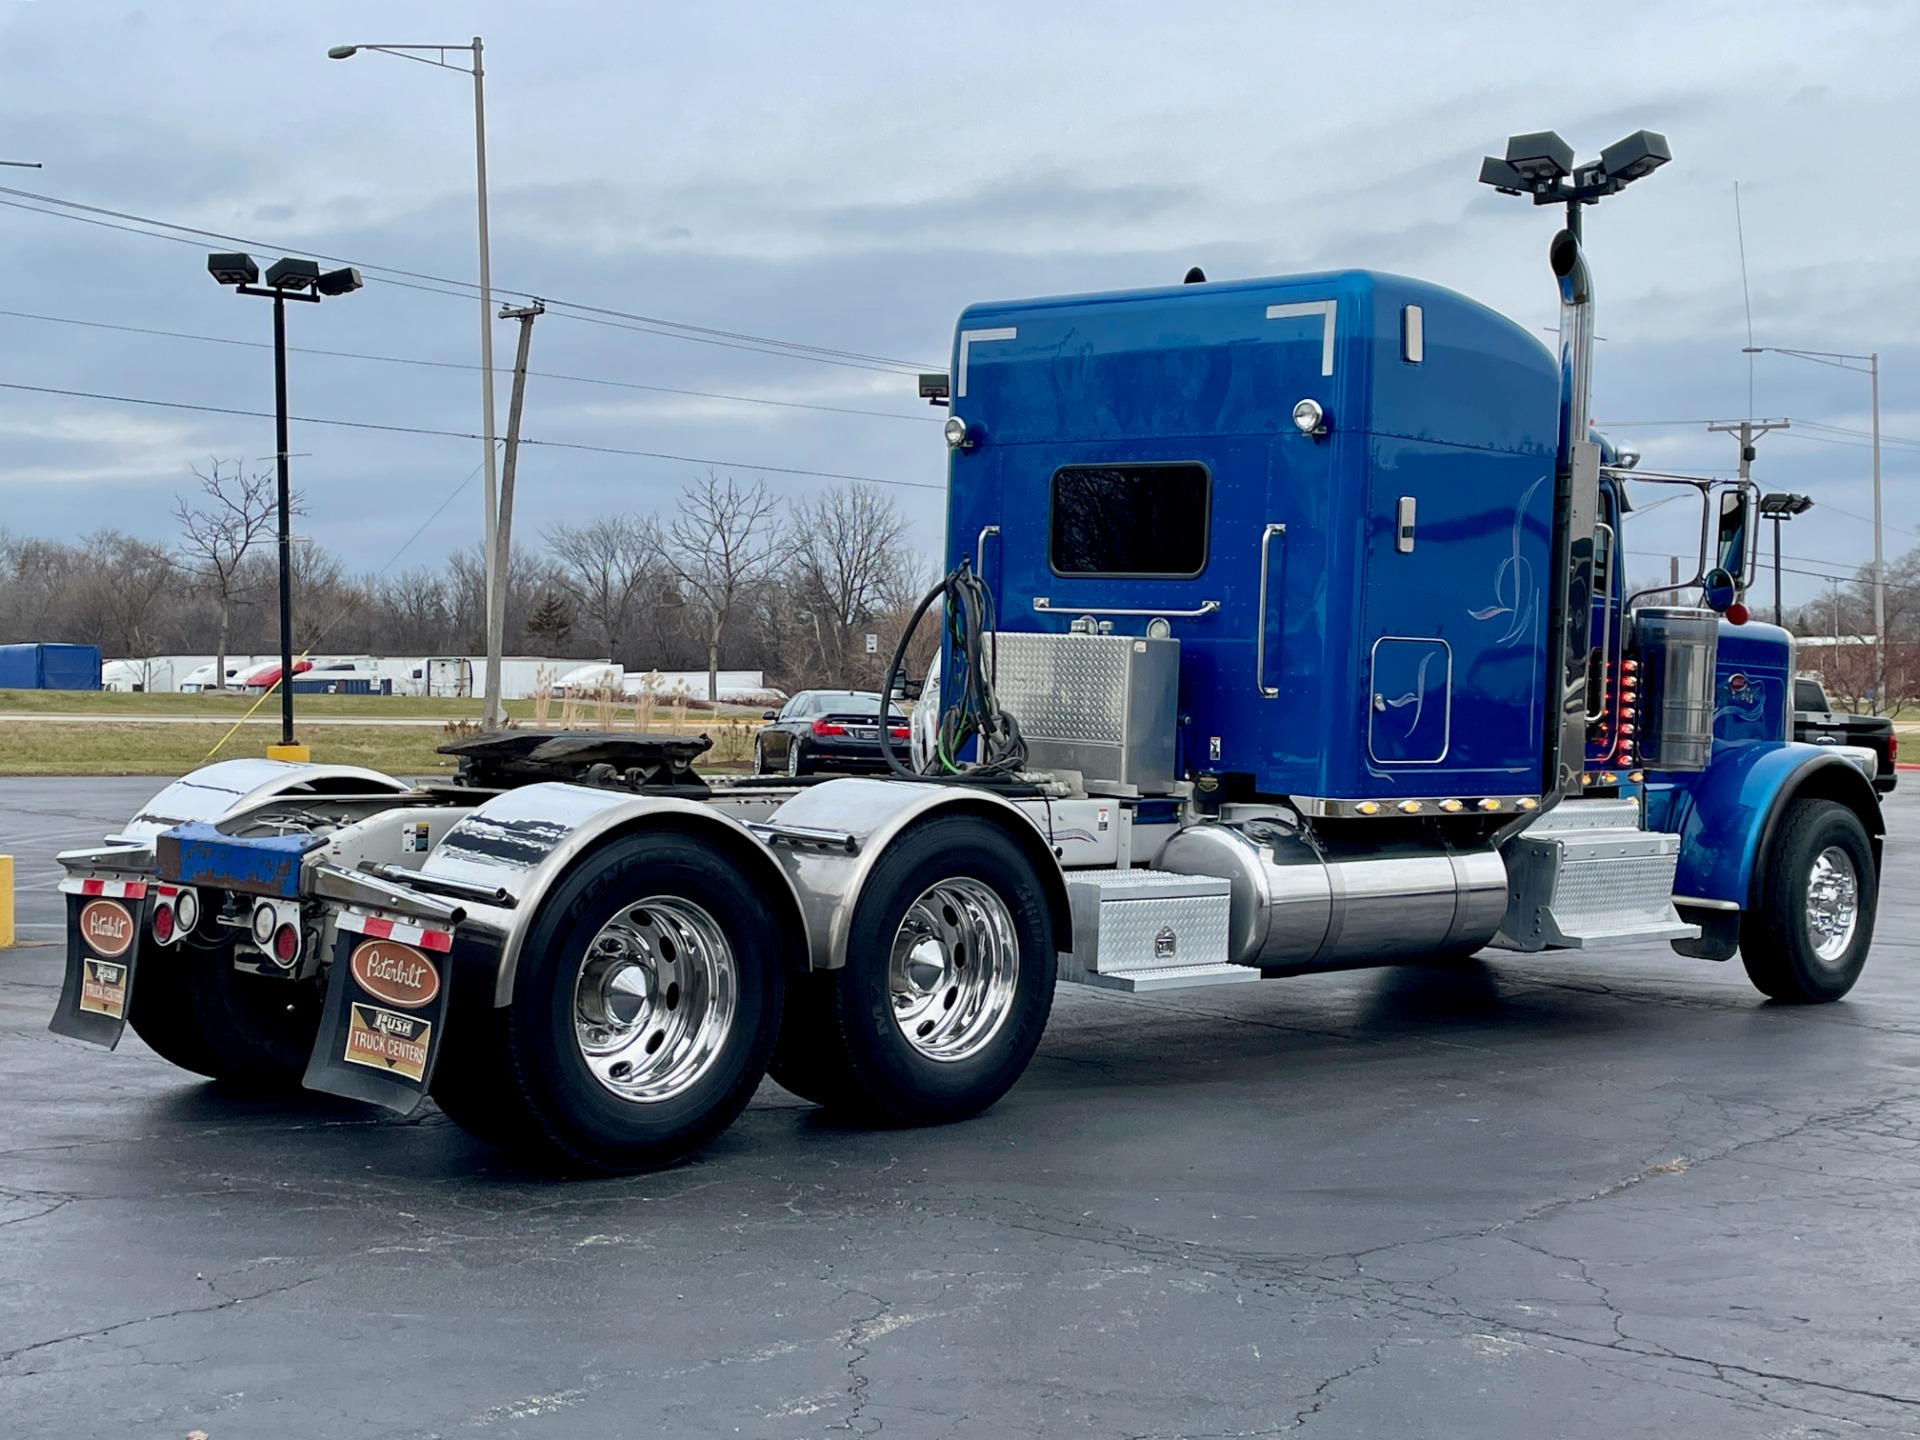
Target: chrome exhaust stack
point(1577, 511)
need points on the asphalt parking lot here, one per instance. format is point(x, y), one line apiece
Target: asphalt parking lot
point(1608, 1196)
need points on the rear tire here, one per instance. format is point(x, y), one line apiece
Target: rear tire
point(947, 987)
point(1806, 940)
point(760, 757)
point(252, 1033)
point(645, 1006)
point(797, 763)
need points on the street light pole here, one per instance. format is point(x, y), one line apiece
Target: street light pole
point(286, 279)
point(495, 561)
point(286, 521)
point(1838, 360)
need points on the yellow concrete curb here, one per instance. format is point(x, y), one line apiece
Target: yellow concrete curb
point(288, 752)
point(6, 901)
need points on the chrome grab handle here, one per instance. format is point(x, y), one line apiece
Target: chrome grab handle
point(1046, 607)
point(980, 549)
point(1270, 692)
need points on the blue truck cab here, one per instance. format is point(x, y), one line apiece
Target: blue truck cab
point(1393, 566)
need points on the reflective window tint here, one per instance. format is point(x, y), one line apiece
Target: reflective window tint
point(1136, 520)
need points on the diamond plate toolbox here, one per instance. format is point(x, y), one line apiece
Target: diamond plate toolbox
point(1134, 920)
point(1100, 704)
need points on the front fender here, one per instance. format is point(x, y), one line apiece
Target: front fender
point(1726, 815)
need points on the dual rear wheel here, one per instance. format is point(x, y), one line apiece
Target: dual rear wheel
point(947, 987)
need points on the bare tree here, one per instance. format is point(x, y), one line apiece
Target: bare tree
point(117, 599)
point(850, 565)
point(719, 542)
point(610, 569)
point(233, 514)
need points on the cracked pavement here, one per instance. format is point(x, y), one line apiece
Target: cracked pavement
point(1562, 1195)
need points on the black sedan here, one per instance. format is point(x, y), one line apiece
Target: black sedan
point(826, 730)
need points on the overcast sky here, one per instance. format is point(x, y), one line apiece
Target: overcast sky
point(850, 175)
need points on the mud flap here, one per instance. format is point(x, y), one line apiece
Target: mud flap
point(105, 925)
point(386, 1014)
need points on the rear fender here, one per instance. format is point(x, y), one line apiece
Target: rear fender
point(1726, 816)
point(215, 791)
point(525, 841)
point(869, 815)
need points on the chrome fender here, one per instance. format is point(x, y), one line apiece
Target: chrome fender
point(524, 841)
point(829, 838)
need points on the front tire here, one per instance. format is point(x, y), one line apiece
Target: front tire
point(1807, 939)
point(644, 1010)
point(947, 987)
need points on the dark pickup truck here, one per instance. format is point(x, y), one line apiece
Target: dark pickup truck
point(1815, 722)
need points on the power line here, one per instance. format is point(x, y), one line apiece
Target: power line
point(461, 365)
point(468, 435)
point(651, 324)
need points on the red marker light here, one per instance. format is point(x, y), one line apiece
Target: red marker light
point(286, 945)
point(1737, 614)
point(163, 924)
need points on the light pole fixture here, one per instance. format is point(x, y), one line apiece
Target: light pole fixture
point(1840, 360)
point(1779, 505)
point(1541, 165)
point(287, 279)
point(496, 617)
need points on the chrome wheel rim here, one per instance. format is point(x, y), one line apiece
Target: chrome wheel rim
point(793, 757)
point(953, 968)
point(654, 999)
point(1833, 903)
point(759, 757)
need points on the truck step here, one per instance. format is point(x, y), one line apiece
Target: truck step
point(1142, 930)
point(1172, 977)
point(1580, 879)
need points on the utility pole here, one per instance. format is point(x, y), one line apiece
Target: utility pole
point(1879, 564)
point(503, 526)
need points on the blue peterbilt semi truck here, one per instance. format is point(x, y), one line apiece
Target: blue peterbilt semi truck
point(1286, 630)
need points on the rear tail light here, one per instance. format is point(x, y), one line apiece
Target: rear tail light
point(1893, 748)
point(824, 727)
point(163, 923)
point(186, 908)
point(286, 945)
point(898, 732)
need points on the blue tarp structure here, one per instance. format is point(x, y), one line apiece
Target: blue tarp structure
point(49, 667)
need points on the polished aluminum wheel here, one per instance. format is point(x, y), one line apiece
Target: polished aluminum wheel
point(953, 969)
point(655, 997)
point(1833, 903)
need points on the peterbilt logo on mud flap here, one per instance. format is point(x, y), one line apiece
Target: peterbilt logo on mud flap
point(395, 973)
point(108, 928)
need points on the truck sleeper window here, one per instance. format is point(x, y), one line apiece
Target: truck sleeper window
point(1145, 521)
